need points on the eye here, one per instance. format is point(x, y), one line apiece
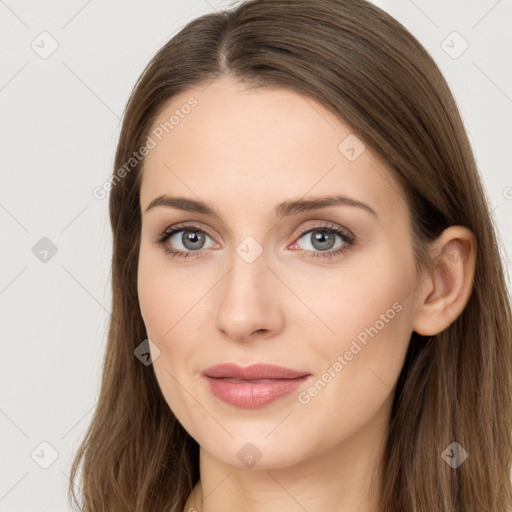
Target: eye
point(191, 240)
point(321, 239)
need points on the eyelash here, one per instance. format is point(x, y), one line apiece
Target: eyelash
point(348, 239)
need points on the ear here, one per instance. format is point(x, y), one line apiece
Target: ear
point(445, 291)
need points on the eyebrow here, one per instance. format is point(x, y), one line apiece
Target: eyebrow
point(284, 209)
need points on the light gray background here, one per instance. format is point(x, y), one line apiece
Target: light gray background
point(60, 123)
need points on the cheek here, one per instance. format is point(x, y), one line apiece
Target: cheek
point(163, 295)
point(153, 300)
point(364, 315)
point(174, 310)
point(356, 373)
point(165, 305)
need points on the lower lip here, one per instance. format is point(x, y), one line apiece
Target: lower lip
point(253, 394)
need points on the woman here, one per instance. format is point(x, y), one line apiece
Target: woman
point(309, 307)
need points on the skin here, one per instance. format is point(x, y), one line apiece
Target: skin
point(244, 151)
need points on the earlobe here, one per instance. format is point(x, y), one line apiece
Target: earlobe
point(446, 289)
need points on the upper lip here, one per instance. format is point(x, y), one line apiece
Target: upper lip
point(252, 372)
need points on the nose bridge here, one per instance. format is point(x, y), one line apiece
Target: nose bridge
point(248, 300)
point(246, 283)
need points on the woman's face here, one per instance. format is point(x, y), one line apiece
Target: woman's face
point(270, 277)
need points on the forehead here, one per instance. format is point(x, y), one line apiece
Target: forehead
point(258, 147)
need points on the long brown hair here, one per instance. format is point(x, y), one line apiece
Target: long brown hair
point(364, 66)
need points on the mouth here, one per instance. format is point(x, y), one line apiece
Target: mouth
point(253, 386)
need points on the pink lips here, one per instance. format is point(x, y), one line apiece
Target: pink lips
point(253, 386)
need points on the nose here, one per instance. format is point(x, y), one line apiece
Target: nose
point(249, 305)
